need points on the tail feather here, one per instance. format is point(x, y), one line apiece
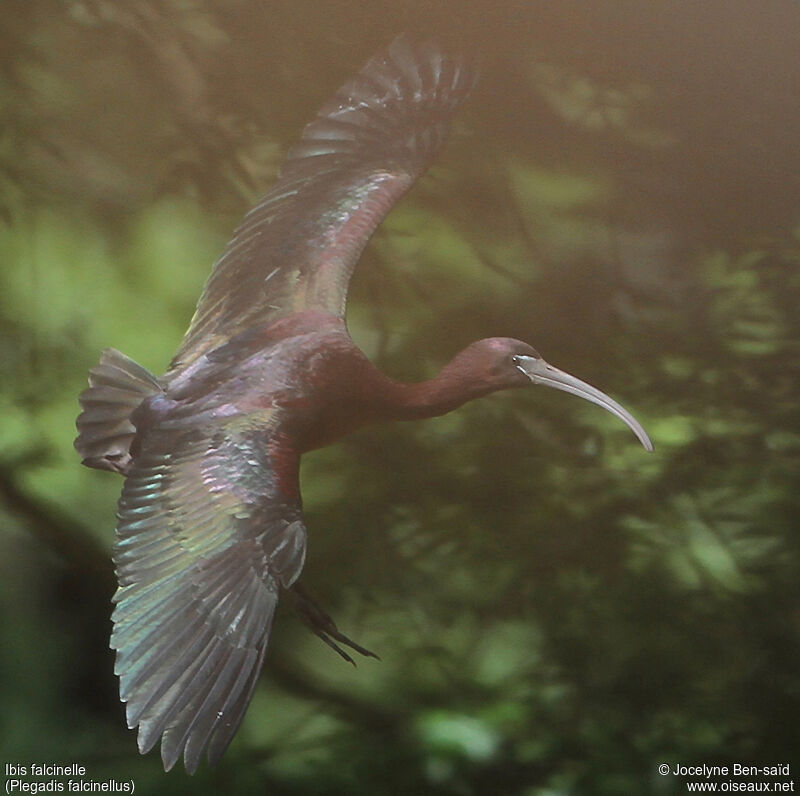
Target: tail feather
point(117, 386)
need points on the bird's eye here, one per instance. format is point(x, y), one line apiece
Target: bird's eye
point(516, 360)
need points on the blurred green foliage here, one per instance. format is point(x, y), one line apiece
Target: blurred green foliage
point(556, 611)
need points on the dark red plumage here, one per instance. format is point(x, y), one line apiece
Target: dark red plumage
point(210, 526)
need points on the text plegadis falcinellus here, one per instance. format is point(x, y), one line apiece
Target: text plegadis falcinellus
point(210, 522)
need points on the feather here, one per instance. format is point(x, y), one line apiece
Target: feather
point(367, 146)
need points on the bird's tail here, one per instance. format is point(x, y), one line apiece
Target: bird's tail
point(117, 386)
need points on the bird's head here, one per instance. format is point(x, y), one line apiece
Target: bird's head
point(501, 363)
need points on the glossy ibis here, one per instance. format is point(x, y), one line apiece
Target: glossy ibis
point(210, 521)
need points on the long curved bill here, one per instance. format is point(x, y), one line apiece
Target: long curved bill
point(540, 372)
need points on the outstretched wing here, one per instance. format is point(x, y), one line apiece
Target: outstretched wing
point(209, 527)
point(297, 249)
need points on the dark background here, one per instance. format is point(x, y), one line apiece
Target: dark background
point(557, 611)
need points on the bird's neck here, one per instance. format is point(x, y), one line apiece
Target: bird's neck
point(450, 389)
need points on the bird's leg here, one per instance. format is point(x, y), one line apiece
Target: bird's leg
point(323, 625)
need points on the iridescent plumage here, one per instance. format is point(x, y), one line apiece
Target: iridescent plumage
point(210, 523)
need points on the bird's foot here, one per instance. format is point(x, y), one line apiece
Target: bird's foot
point(323, 625)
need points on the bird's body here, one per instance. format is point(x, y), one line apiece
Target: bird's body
point(210, 526)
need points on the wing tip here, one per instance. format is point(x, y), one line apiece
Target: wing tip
point(400, 103)
point(414, 55)
point(417, 71)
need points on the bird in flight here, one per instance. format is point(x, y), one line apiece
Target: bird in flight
point(210, 525)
